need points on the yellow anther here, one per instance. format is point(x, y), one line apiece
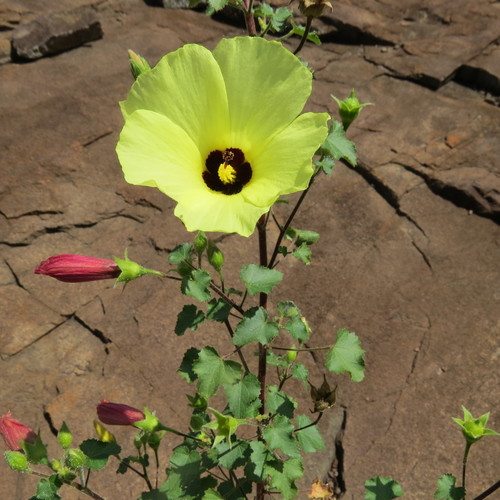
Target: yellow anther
point(227, 174)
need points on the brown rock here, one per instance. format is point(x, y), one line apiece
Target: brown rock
point(55, 32)
point(5, 50)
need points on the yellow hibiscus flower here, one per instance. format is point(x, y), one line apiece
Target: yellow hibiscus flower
point(221, 132)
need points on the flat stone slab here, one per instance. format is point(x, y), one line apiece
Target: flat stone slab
point(55, 32)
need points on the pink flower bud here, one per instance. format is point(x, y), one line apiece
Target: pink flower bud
point(118, 414)
point(14, 431)
point(78, 268)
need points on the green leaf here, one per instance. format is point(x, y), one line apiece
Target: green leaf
point(382, 488)
point(298, 329)
point(184, 475)
point(232, 456)
point(36, 452)
point(447, 489)
point(98, 452)
point(218, 310)
point(196, 285)
point(212, 495)
point(279, 18)
point(47, 488)
point(186, 369)
point(310, 439)
point(218, 4)
point(243, 396)
point(279, 436)
point(337, 146)
point(264, 10)
point(300, 372)
point(239, 491)
point(212, 371)
point(153, 495)
point(283, 475)
point(276, 360)
point(312, 36)
point(260, 454)
point(189, 317)
point(182, 256)
point(260, 279)
point(347, 356)
point(254, 327)
point(326, 164)
point(302, 236)
point(303, 253)
point(279, 402)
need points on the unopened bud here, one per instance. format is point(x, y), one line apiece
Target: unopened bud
point(291, 355)
point(200, 243)
point(138, 65)
point(17, 461)
point(215, 256)
point(64, 436)
point(75, 458)
point(349, 108)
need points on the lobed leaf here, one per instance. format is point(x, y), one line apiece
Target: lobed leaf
point(347, 356)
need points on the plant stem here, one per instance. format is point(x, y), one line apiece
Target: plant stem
point(249, 19)
point(464, 465)
point(304, 36)
point(78, 486)
point(311, 424)
point(489, 491)
point(287, 224)
point(261, 226)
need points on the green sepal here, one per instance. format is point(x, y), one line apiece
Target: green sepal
point(473, 429)
point(36, 452)
point(64, 436)
point(75, 459)
point(224, 426)
point(149, 424)
point(349, 108)
point(138, 65)
point(130, 270)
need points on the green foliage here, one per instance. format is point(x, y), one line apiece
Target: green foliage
point(232, 455)
point(217, 5)
point(97, 453)
point(47, 488)
point(303, 253)
point(300, 372)
point(310, 439)
point(326, 164)
point(254, 327)
point(279, 436)
point(299, 30)
point(282, 475)
point(337, 147)
point(302, 236)
point(190, 317)
point(196, 285)
point(243, 396)
point(279, 19)
point(186, 370)
point(347, 356)
point(298, 329)
point(280, 403)
point(382, 488)
point(447, 490)
point(213, 372)
point(182, 257)
point(218, 310)
point(260, 279)
point(36, 453)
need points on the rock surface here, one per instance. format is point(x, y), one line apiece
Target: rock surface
point(55, 32)
point(409, 255)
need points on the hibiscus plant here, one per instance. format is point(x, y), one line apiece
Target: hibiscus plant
point(223, 134)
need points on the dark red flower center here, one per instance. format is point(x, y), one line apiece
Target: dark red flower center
point(227, 171)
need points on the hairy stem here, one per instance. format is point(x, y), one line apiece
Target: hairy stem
point(464, 465)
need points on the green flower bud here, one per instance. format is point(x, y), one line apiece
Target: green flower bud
point(215, 256)
point(55, 465)
point(474, 429)
point(291, 355)
point(150, 422)
point(75, 458)
point(66, 475)
point(349, 108)
point(138, 65)
point(17, 461)
point(64, 436)
point(200, 243)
